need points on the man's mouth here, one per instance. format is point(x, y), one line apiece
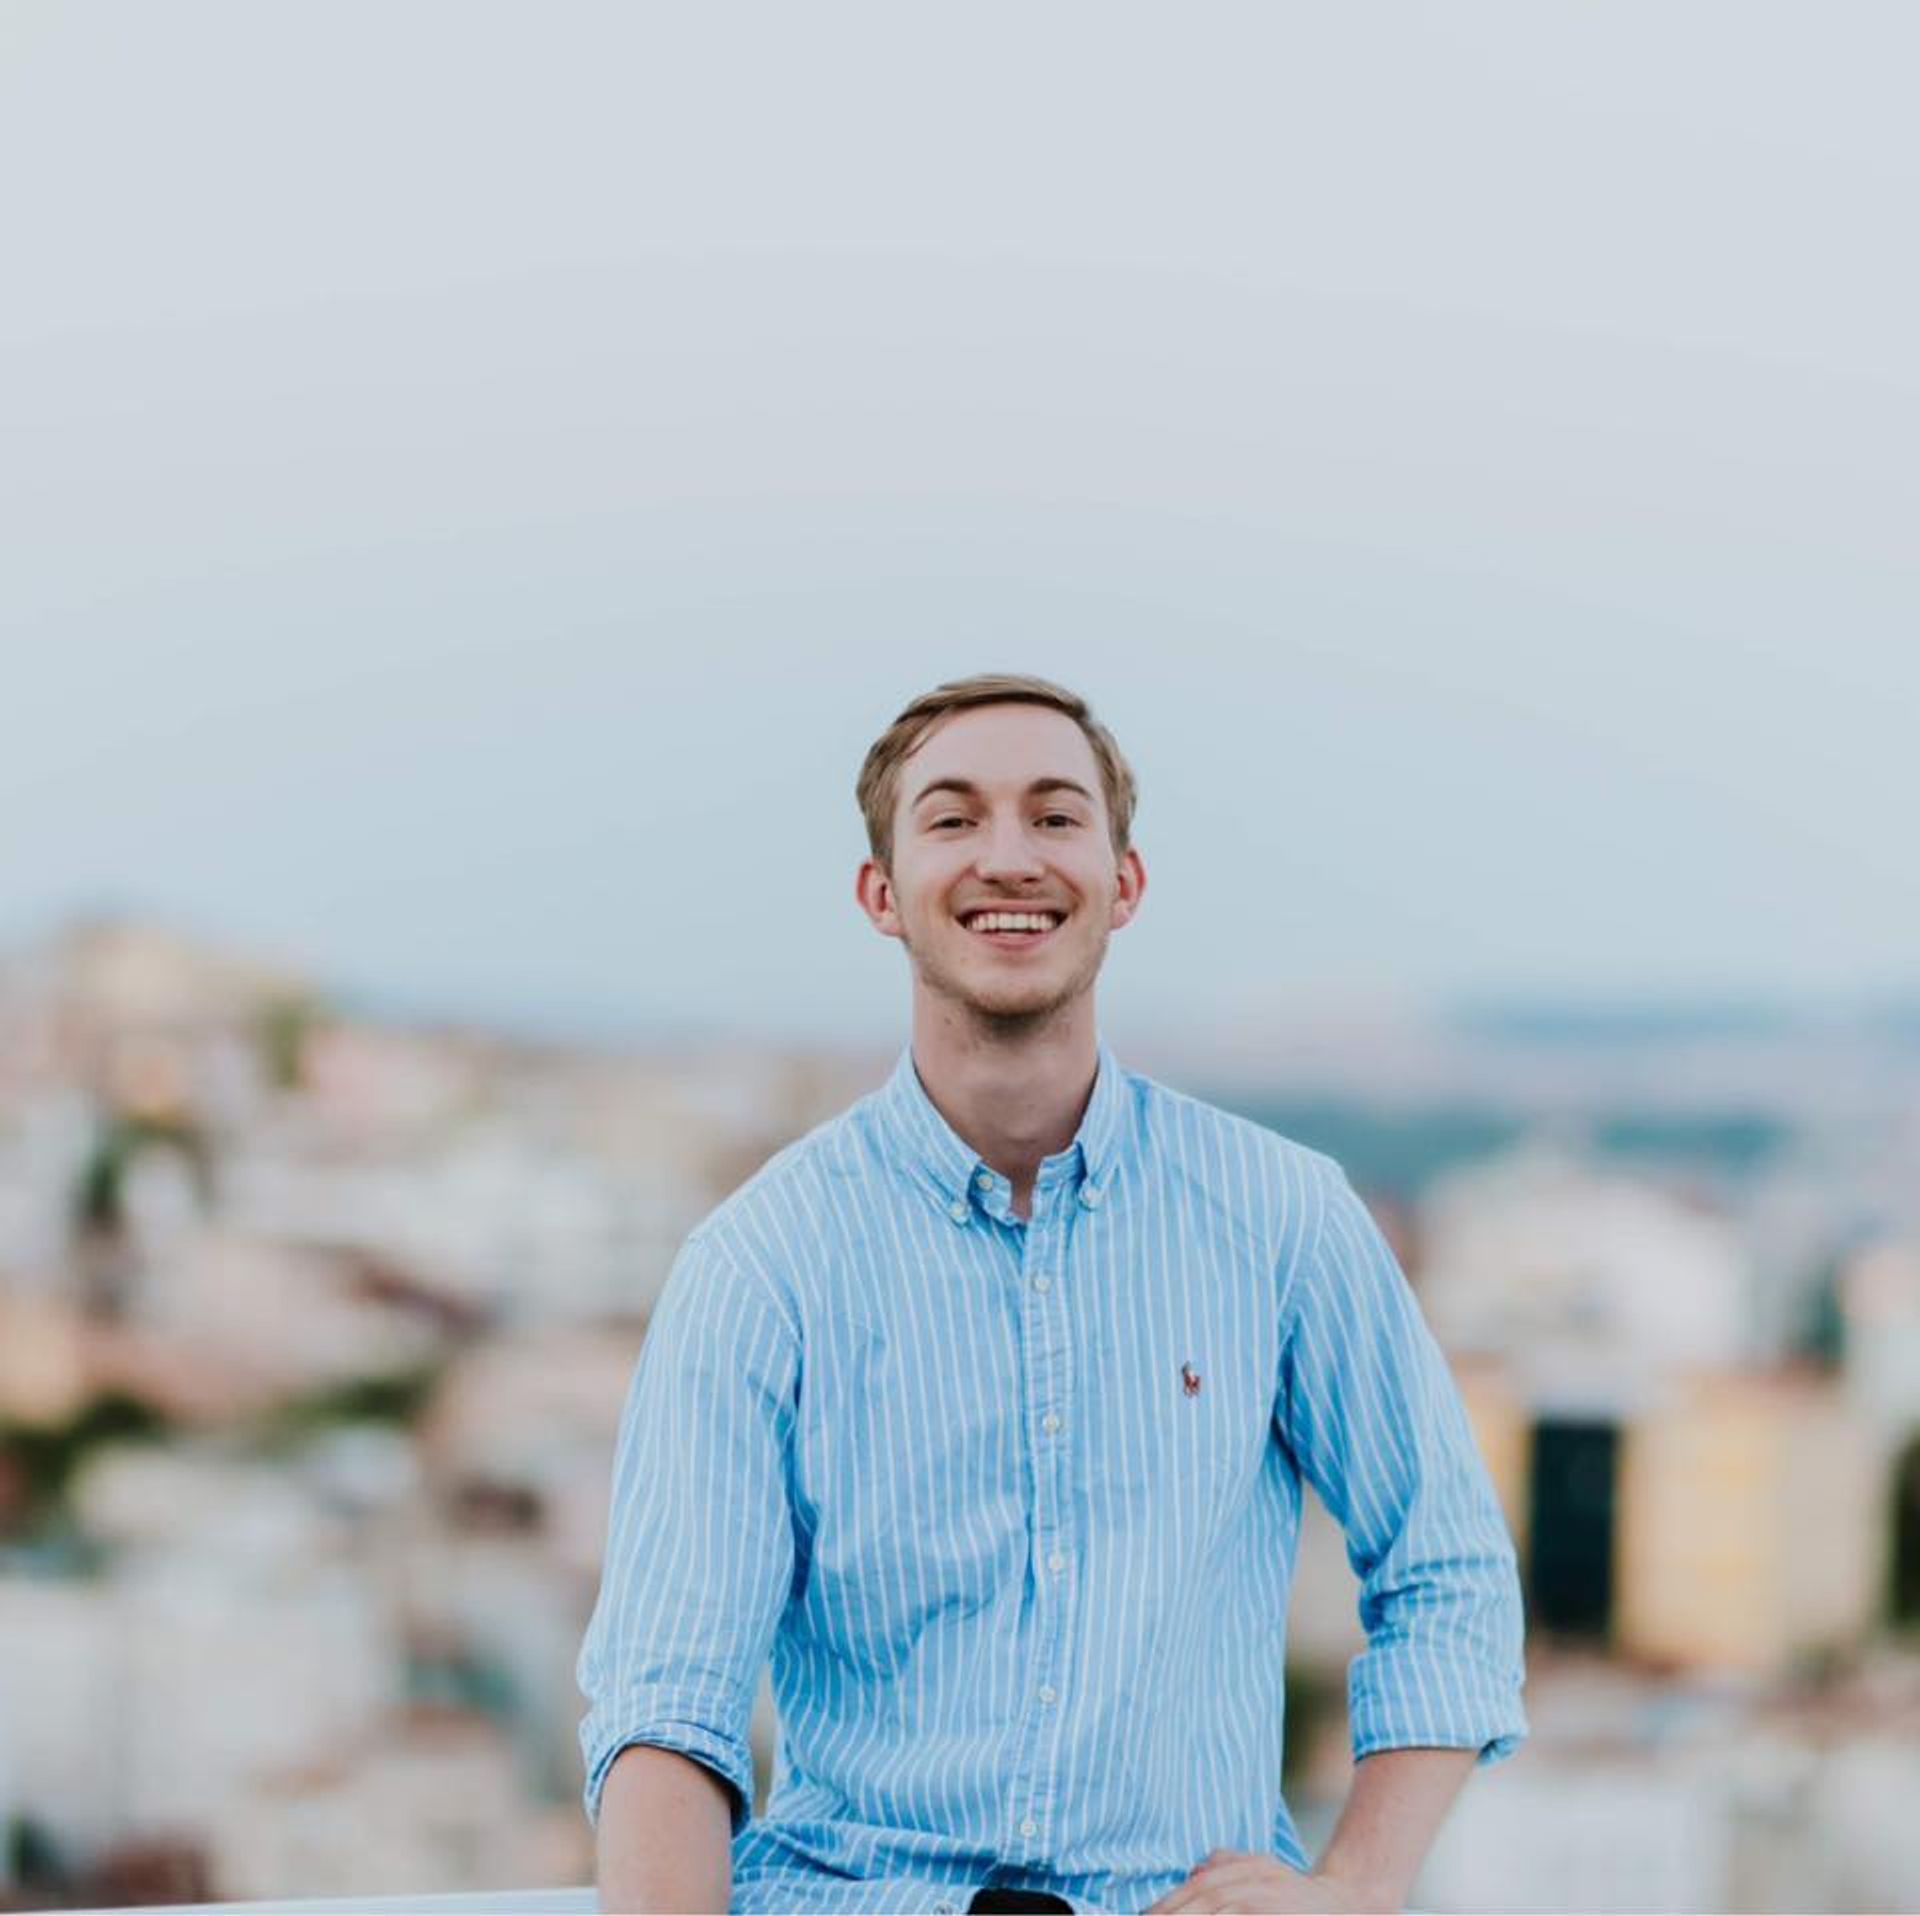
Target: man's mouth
point(1012, 927)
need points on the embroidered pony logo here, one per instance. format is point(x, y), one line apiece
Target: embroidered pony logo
point(1190, 1380)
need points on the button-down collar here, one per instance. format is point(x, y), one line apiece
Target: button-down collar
point(922, 1141)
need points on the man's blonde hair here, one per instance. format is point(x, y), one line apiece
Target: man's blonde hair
point(878, 786)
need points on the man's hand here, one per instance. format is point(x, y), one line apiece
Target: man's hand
point(1233, 1880)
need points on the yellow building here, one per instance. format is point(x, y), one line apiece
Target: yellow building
point(1710, 1520)
point(1502, 1428)
point(1750, 1527)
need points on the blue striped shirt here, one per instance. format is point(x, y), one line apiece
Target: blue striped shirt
point(1013, 1506)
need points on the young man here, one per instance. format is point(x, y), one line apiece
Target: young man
point(985, 1407)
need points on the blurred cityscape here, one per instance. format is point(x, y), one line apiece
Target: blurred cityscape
point(315, 1329)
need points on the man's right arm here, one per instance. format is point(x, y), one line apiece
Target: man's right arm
point(700, 1561)
point(665, 1838)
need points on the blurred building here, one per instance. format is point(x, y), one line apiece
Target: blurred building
point(1751, 1526)
point(432, 1798)
point(1879, 1302)
point(1577, 1271)
point(1645, 1793)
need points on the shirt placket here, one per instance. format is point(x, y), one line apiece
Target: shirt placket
point(1049, 1416)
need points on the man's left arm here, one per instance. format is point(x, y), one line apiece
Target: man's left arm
point(1394, 1809)
point(1374, 1421)
point(1371, 1415)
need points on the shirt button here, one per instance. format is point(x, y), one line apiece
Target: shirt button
point(1090, 1196)
point(1057, 1561)
point(1043, 1283)
point(984, 1179)
point(1029, 1828)
point(958, 1211)
point(1048, 1694)
point(1050, 1422)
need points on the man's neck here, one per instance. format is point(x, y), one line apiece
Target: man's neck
point(1016, 1096)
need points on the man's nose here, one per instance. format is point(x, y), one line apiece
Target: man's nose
point(1007, 850)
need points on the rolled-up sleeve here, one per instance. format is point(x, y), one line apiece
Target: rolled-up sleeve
point(700, 1548)
point(1376, 1425)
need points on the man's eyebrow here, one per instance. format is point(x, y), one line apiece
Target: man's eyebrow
point(966, 788)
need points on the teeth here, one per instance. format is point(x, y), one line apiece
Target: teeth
point(1014, 921)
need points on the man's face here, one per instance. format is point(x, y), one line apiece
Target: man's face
point(1000, 810)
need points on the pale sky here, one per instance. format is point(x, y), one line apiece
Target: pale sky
point(475, 478)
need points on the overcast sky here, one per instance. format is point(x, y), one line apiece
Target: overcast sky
point(475, 478)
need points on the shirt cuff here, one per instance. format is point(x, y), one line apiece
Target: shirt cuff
point(603, 1737)
point(1410, 1696)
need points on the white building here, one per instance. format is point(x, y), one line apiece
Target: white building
point(1639, 1831)
point(430, 1803)
point(1537, 1255)
point(60, 1692)
point(1880, 1309)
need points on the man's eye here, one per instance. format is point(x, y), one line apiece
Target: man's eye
point(941, 824)
point(1059, 818)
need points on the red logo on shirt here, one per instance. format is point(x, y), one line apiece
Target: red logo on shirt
point(1190, 1380)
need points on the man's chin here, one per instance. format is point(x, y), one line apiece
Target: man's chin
point(1005, 1001)
point(1012, 1009)
point(1025, 1003)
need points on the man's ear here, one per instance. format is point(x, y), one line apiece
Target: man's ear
point(1133, 887)
point(874, 890)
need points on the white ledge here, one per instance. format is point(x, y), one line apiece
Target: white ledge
point(483, 1902)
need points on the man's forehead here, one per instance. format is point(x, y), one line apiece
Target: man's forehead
point(1003, 744)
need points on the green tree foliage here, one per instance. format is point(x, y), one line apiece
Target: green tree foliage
point(45, 1458)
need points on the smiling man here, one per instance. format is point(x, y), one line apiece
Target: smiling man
point(986, 1408)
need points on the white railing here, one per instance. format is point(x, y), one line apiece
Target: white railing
point(483, 1902)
